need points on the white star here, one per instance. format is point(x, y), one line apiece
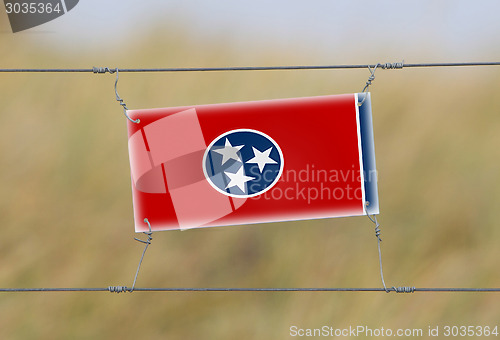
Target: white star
point(238, 179)
point(229, 152)
point(262, 158)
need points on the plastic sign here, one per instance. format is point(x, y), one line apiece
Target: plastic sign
point(252, 162)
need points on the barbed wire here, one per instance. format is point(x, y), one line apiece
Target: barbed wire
point(398, 65)
point(122, 289)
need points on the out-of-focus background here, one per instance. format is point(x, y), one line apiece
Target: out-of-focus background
point(65, 198)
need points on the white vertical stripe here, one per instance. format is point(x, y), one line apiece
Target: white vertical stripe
point(64, 6)
point(361, 168)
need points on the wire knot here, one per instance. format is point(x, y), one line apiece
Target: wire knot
point(392, 66)
point(369, 81)
point(371, 78)
point(378, 232)
point(118, 289)
point(148, 241)
point(402, 289)
point(103, 70)
point(147, 233)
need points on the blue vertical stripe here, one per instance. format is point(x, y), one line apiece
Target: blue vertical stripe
point(368, 149)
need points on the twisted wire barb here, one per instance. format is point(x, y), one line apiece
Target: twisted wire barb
point(371, 78)
point(117, 289)
point(120, 100)
point(373, 218)
point(147, 243)
point(102, 70)
point(369, 81)
point(392, 66)
point(122, 289)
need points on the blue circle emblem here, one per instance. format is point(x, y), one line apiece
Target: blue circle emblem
point(243, 163)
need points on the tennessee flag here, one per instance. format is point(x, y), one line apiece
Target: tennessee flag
point(253, 162)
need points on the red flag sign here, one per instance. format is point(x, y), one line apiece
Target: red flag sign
point(253, 162)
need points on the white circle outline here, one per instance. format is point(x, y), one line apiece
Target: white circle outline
point(242, 130)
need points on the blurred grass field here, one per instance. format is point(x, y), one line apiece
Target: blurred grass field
point(66, 207)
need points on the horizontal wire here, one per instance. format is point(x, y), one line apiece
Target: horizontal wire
point(247, 68)
point(125, 289)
